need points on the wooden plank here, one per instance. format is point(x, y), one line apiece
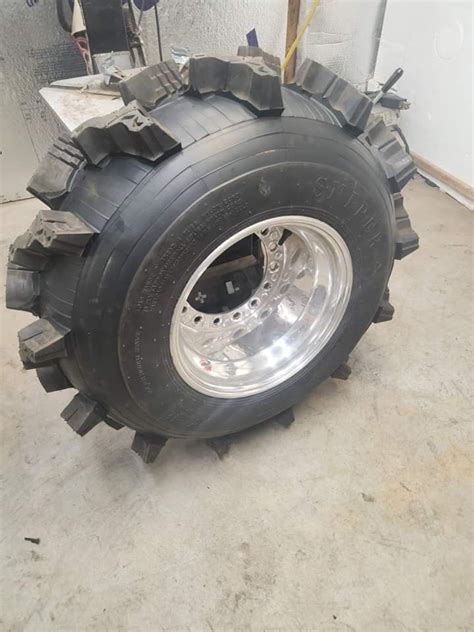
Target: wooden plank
point(463, 188)
point(291, 33)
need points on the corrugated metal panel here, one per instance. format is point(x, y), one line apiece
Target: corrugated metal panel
point(33, 52)
point(344, 35)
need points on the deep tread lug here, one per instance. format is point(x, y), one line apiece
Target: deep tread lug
point(56, 172)
point(272, 61)
point(60, 232)
point(22, 289)
point(351, 107)
point(386, 310)
point(83, 414)
point(148, 446)
point(153, 84)
point(342, 372)
point(25, 254)
point(52, 378)
point(285, 418)
point(407, 240)
point(247, 81)
point(208, 74)
point(220, 445)
point(41, 343)
point(396, 163)
point(51, 233)
point(128, 131)
point(113, 424)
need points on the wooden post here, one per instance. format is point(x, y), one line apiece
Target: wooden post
point(291, 33)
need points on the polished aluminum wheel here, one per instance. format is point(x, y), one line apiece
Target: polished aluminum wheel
point(296, 297)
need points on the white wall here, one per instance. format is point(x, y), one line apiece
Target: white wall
point(432, 41)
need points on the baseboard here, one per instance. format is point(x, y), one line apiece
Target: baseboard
point(461, 191)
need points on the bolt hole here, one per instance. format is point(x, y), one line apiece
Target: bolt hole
point(254, 302)
point(267, 285)
point(273, 246)
point(236, 315)
point(274, 266)
point(216, 321)
point(197, 319)
point(264, 232)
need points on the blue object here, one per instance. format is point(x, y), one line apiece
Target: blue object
point(251, 37)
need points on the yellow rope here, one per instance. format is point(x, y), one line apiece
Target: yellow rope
point(306, 22)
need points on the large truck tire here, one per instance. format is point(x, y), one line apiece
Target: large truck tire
point(215, 249)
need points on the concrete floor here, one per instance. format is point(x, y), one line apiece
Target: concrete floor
point(357, 517)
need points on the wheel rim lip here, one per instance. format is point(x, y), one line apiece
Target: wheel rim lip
point(308, 349)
